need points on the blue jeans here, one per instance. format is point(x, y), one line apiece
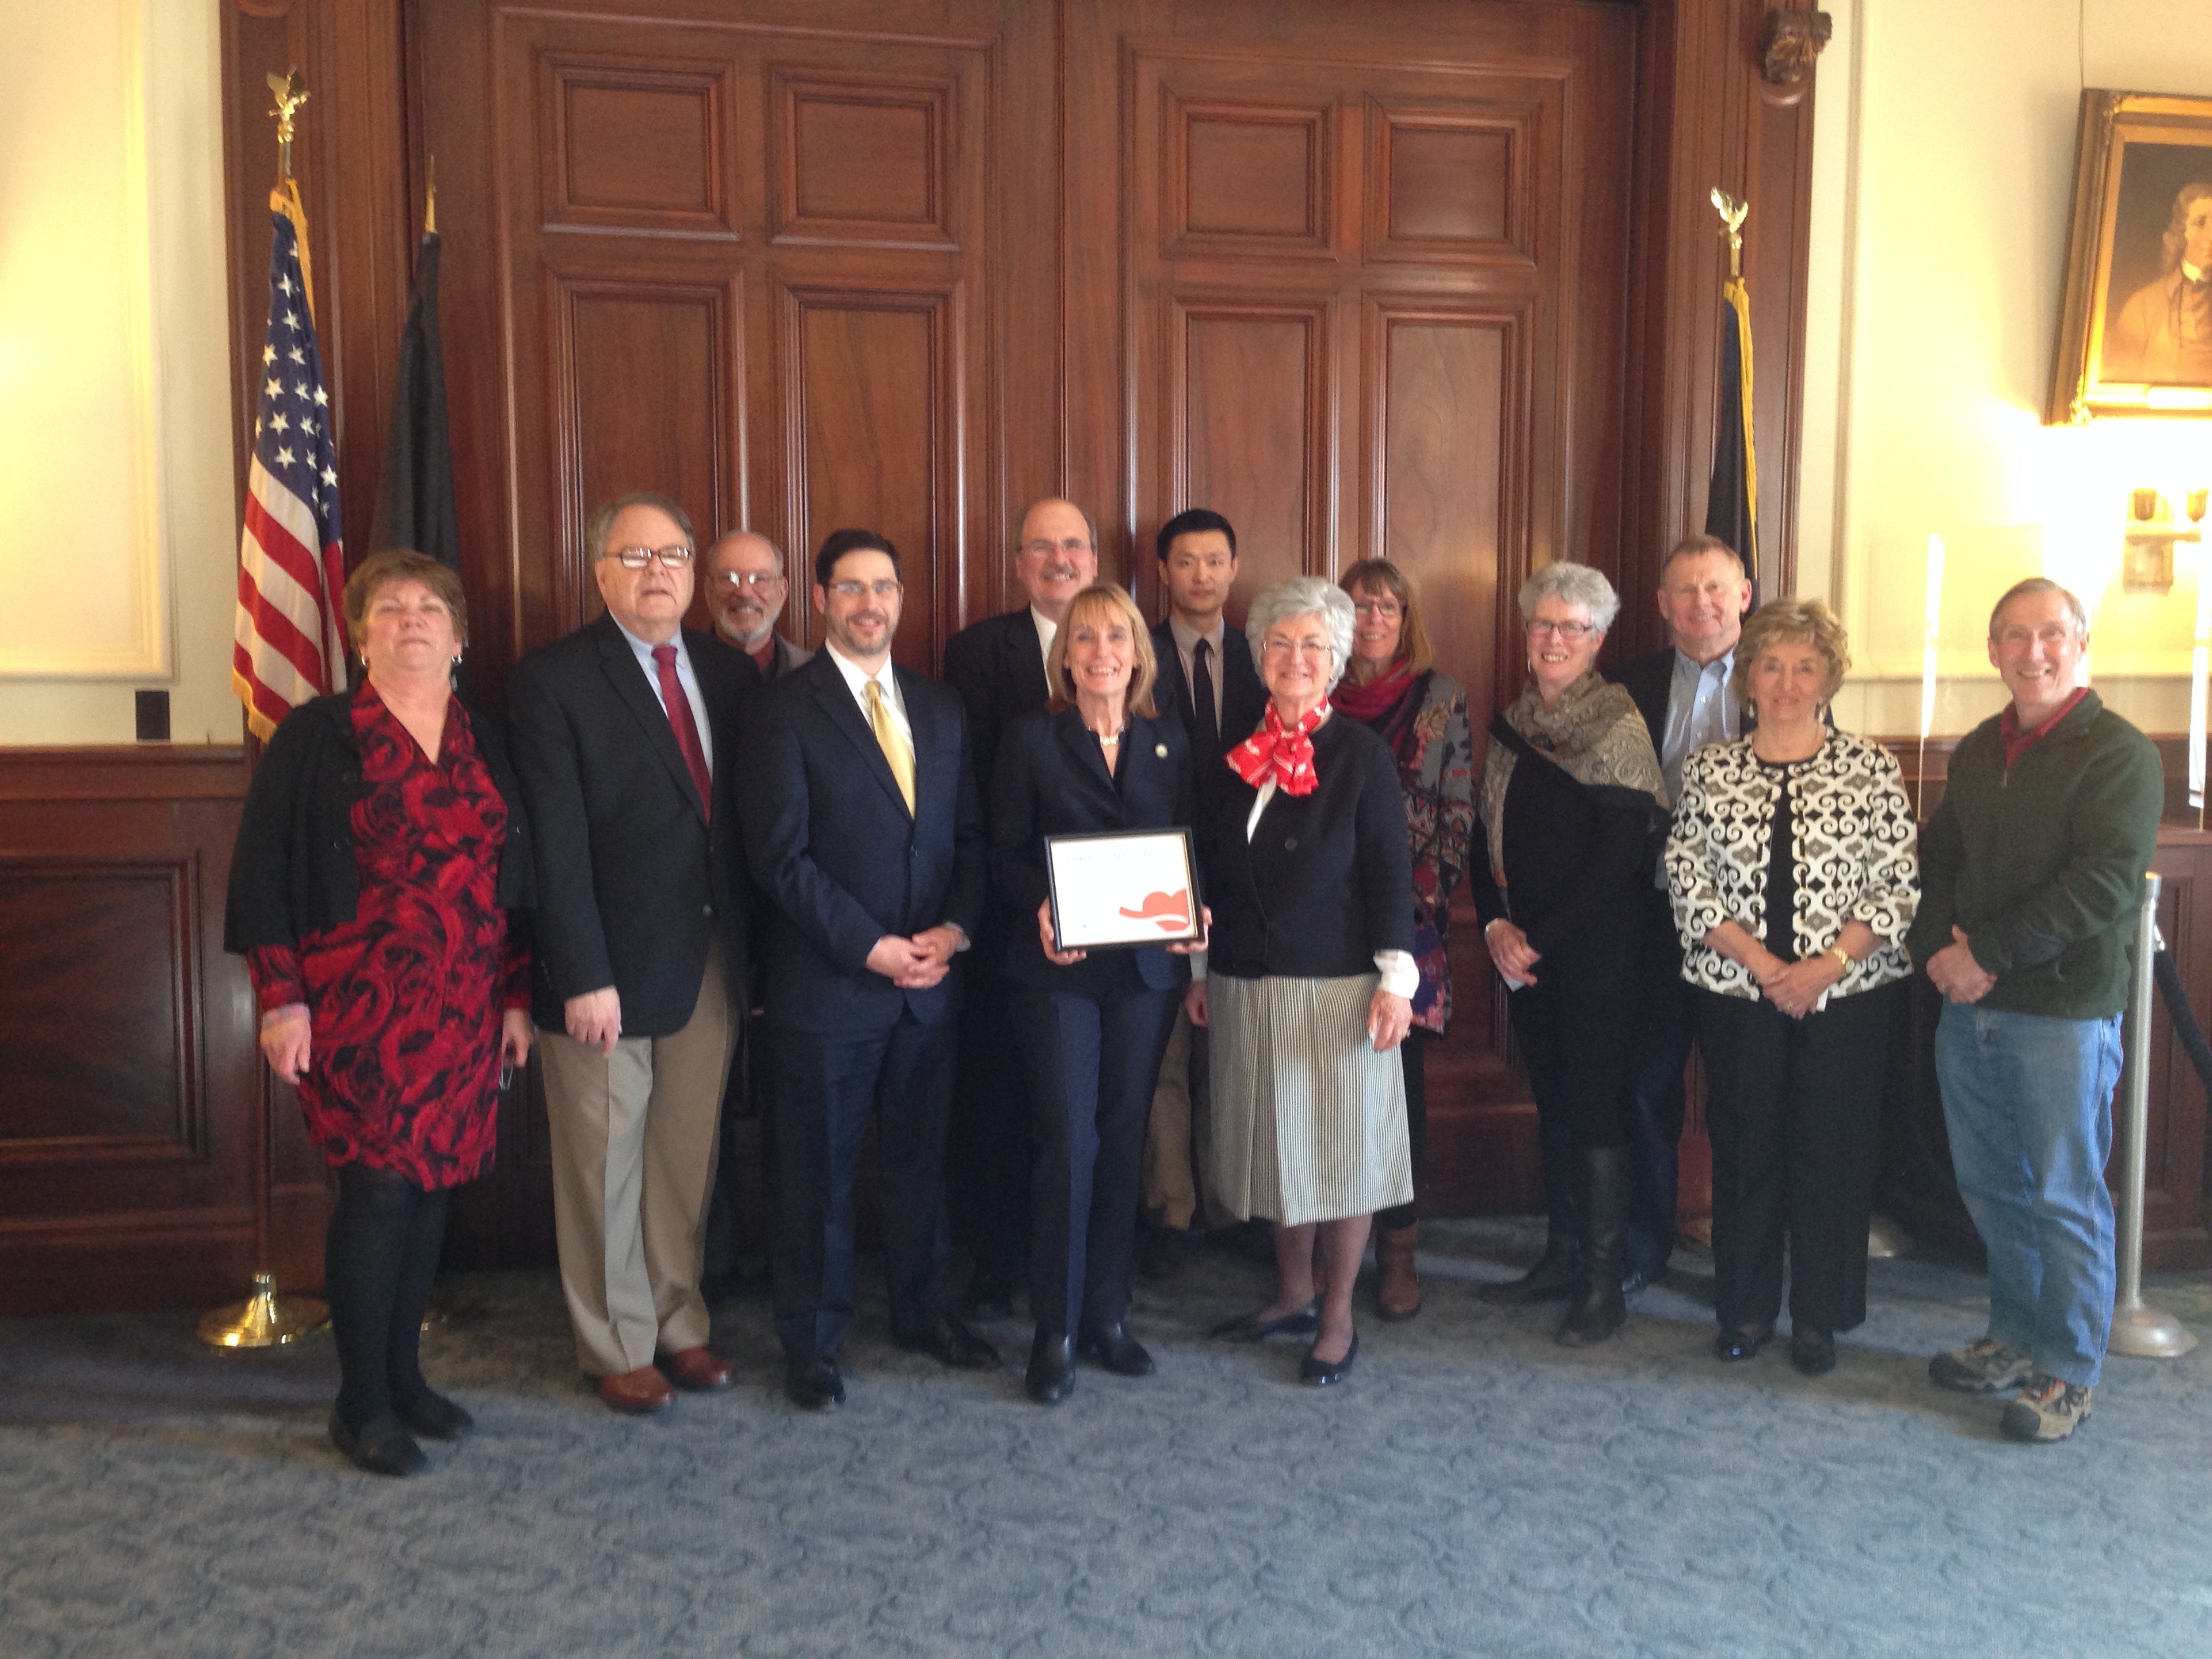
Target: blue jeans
point(2027, 1100)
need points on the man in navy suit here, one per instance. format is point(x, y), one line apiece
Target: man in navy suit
point(1208, 684)
point(997, 665)
point(1683, 691)
point(863, 827)
point(625, 746)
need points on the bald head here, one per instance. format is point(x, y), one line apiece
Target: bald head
point(1057, 557)
point(745, 588)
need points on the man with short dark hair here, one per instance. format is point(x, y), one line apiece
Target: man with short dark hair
point(625, 748)
point(997, 665)
point(1208, 681)
point(745, 589)
point(2032, 880)
point(862, 826)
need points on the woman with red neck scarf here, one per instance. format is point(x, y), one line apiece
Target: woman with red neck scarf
point(1308, 977)
point(1422, 715)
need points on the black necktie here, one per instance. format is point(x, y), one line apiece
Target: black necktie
point(1201, 698)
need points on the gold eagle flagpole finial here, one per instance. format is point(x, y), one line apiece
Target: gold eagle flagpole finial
point(290, 95)
point(1732, 214)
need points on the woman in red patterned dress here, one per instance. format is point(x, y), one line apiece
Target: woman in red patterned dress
point(381, 852)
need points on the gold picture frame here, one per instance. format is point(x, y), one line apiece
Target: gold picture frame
point(2129, 328)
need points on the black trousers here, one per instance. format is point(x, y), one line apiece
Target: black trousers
point(1794, 1109)
point(1090, 1061)
point(1413, 1055)
point(825, 1087)
point(989, 1180)
point(1575, 1041)
point(1658, 1049)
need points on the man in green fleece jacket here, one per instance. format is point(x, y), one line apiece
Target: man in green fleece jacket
point(2031, 874)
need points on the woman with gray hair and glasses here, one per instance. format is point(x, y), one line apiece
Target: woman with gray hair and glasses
point(1308, 977)
point(1567, 814)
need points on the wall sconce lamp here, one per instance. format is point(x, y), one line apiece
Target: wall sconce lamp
point(2146, 565)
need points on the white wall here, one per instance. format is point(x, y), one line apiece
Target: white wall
point(1942, 183)
point(118, 529)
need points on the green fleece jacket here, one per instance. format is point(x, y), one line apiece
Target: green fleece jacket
point(2042, 863)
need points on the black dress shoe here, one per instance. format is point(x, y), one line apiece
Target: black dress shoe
point(1812, 1351)
point(953, 1342)
point(1552, 1279)
point(1250, 1327)
point(1320, 1373)
point(1051, 1376)
point(1741, 1342)
point(1112, 1346)
point(813, 1383)
point(436, 1417)
point(381, 1446)
point(1642, 1278)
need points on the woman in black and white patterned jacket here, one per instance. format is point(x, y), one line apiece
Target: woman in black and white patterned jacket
point(1793, 873)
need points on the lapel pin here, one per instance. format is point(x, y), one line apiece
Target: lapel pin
point(1161, 750)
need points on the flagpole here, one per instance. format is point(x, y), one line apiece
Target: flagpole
point(266, 1319)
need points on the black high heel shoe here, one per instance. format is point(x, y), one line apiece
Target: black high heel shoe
point(1320, 1373)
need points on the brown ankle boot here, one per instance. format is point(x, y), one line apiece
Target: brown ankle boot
point(1397, 1285)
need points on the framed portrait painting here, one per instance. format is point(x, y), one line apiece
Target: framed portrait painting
point(2134, 331)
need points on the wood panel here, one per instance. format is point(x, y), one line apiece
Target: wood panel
point(636, 146)
point(864, 161)
point(1448, 183)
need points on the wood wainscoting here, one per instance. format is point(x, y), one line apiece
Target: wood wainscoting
point(127, 1042)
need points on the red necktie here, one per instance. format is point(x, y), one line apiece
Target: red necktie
point(680, 721)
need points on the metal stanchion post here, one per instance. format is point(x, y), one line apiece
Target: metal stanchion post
point(2137, 1328)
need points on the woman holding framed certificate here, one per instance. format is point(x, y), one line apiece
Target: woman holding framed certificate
point(1309, 975)
point(1090, 804)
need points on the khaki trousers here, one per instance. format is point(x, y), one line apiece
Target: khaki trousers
point(634, 1141)
point(1173, 1191)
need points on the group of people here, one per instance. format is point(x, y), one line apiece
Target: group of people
point(684, 838)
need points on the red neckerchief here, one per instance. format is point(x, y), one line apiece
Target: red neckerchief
point(1369, 703)
point(2017, 742)
point(1286, 753)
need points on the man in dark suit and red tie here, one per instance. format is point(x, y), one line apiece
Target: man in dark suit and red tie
point(863, 828)
point(1209, 684)
point(625, 746)
point(997, 665)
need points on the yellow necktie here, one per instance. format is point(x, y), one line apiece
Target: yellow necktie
point(897, 749)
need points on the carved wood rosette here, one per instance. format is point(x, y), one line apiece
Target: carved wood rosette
point(1792, 41)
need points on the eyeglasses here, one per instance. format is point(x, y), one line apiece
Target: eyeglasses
point(1044, 550)
point(1297, 647)
point(747, 578)
point(1383, 610)
point(855, 590)
point(1570, 633)
point(636, 558)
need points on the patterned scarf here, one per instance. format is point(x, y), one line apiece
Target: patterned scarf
point(1283, 752)
point(1592, 734)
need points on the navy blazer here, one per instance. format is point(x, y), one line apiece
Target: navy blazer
point(1326, 880)
point(1243, 698)
point(1649, 679)
point(999, 671)
point(1052, 780)
point(633, 878)
point(842, 862)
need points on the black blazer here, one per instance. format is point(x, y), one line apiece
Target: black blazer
point(1326, 880)
point(830, 843)
point(292, 871)
point(1243, 698)
point(1052, 780)
point(996, 667)
point(1649, 679)
point(633, 879)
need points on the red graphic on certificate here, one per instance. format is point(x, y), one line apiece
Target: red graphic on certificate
point(1168, 912)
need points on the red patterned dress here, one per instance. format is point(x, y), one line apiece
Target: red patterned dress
point(404, 999)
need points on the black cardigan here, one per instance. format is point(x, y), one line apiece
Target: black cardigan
point(1325, 881)
point(293, 871)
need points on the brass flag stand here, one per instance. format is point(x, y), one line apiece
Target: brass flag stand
point(265, 1319)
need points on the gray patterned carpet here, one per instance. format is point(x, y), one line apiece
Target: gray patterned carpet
point(1473, 1489)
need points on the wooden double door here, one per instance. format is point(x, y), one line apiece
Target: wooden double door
point(1353, 276)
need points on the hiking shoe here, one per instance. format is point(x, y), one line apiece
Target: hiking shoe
point(2047, 1409)
point(1984, 1367)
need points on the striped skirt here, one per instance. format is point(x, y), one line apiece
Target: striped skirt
point(1308, 1121)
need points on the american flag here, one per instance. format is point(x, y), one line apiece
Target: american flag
point(289, 641)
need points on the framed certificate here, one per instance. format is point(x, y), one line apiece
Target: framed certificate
point(1122, 889)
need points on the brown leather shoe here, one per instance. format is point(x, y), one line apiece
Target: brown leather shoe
point(637, 1392)
point(695, 1369)
point(1397, 1286)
